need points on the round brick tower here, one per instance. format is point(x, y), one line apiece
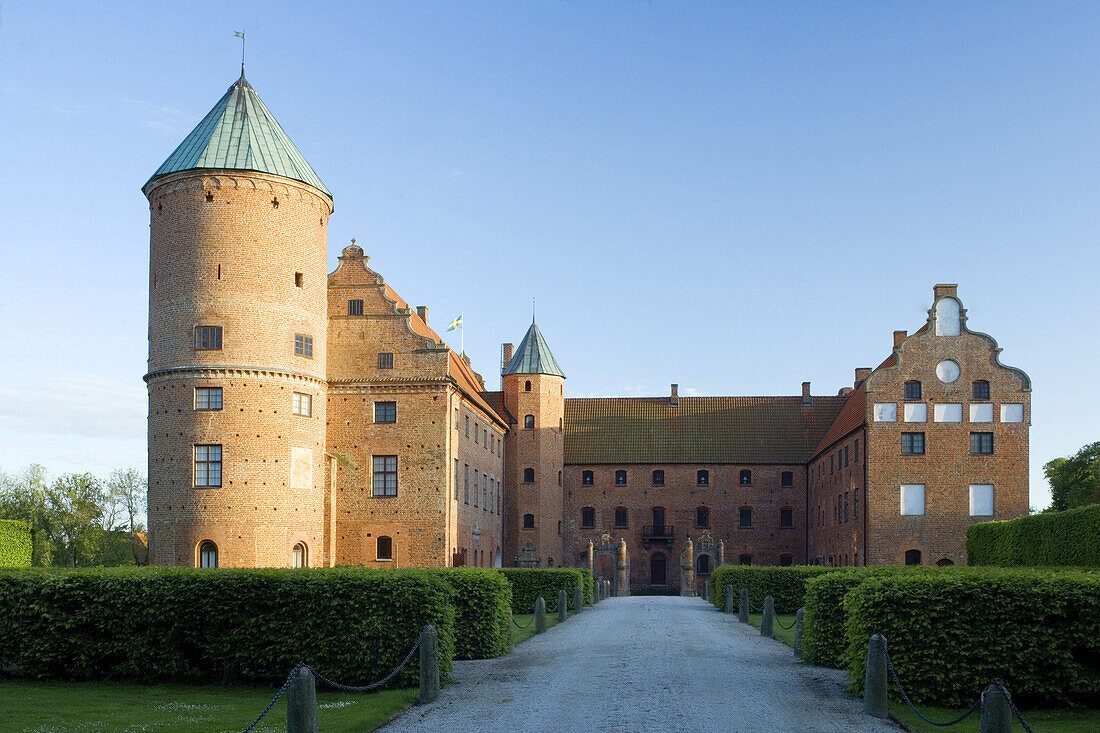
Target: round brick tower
point(237, 335)
point(533, 385)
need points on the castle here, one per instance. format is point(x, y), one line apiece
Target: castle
point(299, 418)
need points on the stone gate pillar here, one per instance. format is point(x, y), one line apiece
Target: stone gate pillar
point(591, 558)
point(622, 573)
point(721, 553)
point(687, 570)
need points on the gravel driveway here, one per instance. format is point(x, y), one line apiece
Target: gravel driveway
point(645, 663)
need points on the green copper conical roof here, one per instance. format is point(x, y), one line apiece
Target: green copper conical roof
point(533, 356)
point(241, 134)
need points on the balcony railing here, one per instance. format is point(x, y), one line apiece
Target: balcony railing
point(658, 533)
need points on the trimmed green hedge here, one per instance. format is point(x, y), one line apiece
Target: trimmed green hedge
point(194, 625)
point(786, 585)
point(588, 587)
point(15, 544)
point(482, 601)
point(824, 633)
point(1069, 538)
point(530, 583)
point(949, 633)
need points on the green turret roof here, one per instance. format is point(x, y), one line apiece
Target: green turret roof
point(533, 356)
point(241, 134)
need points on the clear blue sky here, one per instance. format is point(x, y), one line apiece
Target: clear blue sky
point(733, 196)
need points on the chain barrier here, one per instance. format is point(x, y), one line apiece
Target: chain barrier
point(275, 699)
point(331, 683)
point(976, 706)
point(1013, 707)
point(780, 623)
point(524, 626)
point(754, 609)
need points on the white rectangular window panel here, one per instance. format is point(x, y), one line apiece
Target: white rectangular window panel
point(948, 413)
point(916, 412)
point(981, 413)
point(1012, 413)
point(981, 500)
point(912, 499)
point(886, 412)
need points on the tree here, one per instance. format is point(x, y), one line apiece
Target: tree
point(74, 507)
point(24, 497)
point(1075, 481)
point(127, 490)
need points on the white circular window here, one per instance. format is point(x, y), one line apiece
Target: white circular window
point(947, 371)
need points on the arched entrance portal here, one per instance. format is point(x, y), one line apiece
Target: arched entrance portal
point(657, 567)
point(610, 561)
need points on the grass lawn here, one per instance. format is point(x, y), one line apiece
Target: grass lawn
point(1078, 720)
point(784, 635)
point(68, 707)
point(522, 619)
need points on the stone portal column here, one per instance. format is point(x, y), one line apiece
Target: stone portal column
point(687, 570)
point(622, 576)
point(721, 553)
point(591, 559)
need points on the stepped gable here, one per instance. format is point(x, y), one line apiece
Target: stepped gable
point(757, 430)
point(240, 133)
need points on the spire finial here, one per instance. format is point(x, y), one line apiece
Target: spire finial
point(240, 35)
point(532, 310)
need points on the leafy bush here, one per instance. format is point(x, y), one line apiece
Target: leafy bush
point(786, 585)
point(588, 587)
point(15, 544)
point(949, 633)
point(1069, 538)
point(482, 601)
point(530, 583)
point(352, 625)
point(824, 633)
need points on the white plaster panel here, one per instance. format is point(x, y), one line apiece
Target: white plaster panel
point(981, 500)
point(948, 322)
point(912, 499)
point(916, 412)
point(886, 412)
point(981, 412)
point(301, 468)
point(948, 412)
point(947, 371)
point(1012, 413)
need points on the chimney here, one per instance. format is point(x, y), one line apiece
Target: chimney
point(861, 374)
point(505, 355)
point(806, 399)
point(674, 399)
point(899, 336)
point(944, 290)
point(422, 311)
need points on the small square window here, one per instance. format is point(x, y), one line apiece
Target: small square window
point(385, 412)
point(355, 307)
point(303, 345)
point(745, 478)
point(208, 398)
point(912, 443)
point(912, 390)
point(702, 478)
point(981, 443)
point(385, 360)
point(786, 479)
point(587, 479)
point(208, 338)
point(299, 280)
point(303, 404)
point(981, 390)
point(620, 478)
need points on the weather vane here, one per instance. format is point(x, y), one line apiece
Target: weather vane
point(240, 35)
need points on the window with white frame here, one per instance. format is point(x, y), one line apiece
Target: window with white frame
point(912, 499)
point(385, 475)
point(303, 404)
point(208, 465)
point(208, 555)
point(385, 412)
point(208, 398)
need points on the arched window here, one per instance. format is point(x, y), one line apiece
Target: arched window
point(528, 521)
point(745, 559)
point(587, 478)
point(528, 422)
point(702, 477)
point(208, 555)
point(298, 555)
point(746, 478)
point(528, 475)
point(912, 390)
point(912, 557)
point(981, 390)
point(702, 565)
point(559, 478)
point(559, 527)
point(786, 560)
point(383, 548)
point(945, 562)
point(527, 386)
point(620, 478)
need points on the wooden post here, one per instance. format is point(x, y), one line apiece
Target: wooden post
point(729, 599)
point(874, 678)
point(799, 625)
point(743, 607)
point(301, 702)
point(563, 606)
point(996, 715)
point(578, 599)
point(429, 665)
point(540, 616)
point(766, 622)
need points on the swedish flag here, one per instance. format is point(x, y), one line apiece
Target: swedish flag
point(455, 324)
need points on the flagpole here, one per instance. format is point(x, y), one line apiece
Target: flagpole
point(462, 331)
